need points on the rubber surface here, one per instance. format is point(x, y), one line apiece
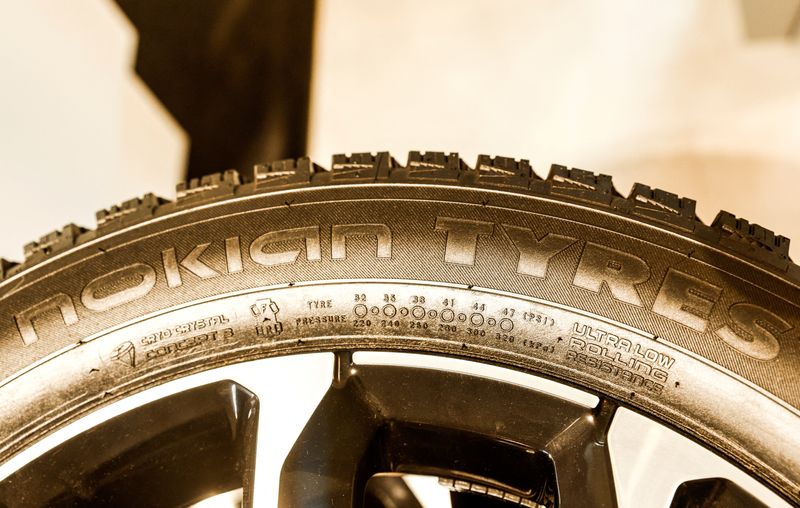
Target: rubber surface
point(631, 297)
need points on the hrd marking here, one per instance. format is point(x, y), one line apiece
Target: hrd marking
point(265, 311)
point(602, 270)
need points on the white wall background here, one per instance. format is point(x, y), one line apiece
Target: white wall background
point(672, 94)
point(78, 130)
point(669, 93)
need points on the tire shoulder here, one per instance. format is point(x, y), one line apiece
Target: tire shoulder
point(658, 207)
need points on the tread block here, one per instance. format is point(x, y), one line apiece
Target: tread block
point(358, 167)
point(52, 243)
point(129, 212)
point(662, 206)
point(283, 174)
point(6, 268)
point(500, 172)
point(430, 166)
point(209, 187)
point(753, 240)
point(580, 184)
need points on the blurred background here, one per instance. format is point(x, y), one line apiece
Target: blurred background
point(103, 100)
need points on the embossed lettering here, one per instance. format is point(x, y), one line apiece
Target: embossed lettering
point(233, 254)
point(25, 319)
point(755, 332)
point(340, 232)
point(118, 287)
point(191, 262)
point(617, 270)
point(309, 233)
point(462, 238)
point(534, 254)
point(686, 299)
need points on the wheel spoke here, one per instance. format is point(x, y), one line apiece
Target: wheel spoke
point(186, 447)
point(582, 462)
point(288, 390)
point(423, 421)
point(389, 491)
point(317, 430)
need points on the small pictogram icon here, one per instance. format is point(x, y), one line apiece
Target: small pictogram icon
point(125, 353)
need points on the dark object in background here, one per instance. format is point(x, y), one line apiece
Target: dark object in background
point(235, 75)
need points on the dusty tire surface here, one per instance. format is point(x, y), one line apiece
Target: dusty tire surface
point(630, 297)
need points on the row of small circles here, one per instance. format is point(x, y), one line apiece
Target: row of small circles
point(419, 312)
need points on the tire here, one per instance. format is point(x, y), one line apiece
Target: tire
point(630, 297)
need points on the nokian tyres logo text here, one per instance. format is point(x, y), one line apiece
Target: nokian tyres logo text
point(681, 297)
